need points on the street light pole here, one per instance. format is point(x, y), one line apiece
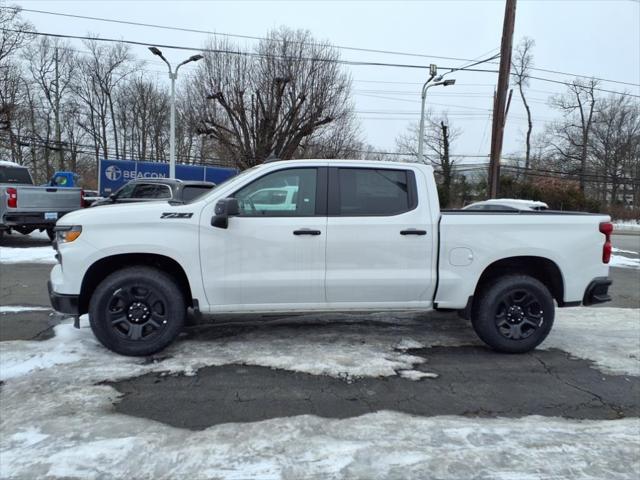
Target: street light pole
point(173, 75)
point(427, 85)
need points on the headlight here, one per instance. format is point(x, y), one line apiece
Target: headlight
point(67, 233)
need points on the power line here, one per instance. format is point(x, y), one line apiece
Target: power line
point(341, 47)
point(235, 35)
point(262, 55)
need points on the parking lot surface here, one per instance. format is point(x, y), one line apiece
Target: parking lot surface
point(319, 396)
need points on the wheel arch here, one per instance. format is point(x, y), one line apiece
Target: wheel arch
point(540, 268)
point(99, 270)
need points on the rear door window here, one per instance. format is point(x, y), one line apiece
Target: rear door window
point(369, 191)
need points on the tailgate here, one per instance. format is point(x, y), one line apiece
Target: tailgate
point(51, 199)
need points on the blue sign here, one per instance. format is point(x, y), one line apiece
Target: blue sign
point(113, 174)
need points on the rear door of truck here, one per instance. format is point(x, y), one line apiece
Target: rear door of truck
point(380, 238)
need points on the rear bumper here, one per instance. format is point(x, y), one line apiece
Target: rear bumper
point(597, 291)
point(35, 219)
point(63, 303)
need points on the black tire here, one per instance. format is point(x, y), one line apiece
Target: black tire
point(51, 234)
point(513, 314)
point(137, 311)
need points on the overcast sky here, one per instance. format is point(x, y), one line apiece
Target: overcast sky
point(586, 37)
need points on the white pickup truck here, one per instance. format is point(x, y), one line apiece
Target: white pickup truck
point(363, 236)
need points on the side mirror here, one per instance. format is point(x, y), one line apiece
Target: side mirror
point(225, 208)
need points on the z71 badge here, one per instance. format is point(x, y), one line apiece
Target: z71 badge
point(176, 215)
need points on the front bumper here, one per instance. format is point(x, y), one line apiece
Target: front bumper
point(597, 291)
point(63, 303)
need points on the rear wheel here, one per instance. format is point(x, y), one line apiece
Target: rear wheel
point(137, 311)
point(514, 314)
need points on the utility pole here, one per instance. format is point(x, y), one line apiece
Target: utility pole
point(500, 99)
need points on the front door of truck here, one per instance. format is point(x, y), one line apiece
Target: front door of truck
point(272, 255)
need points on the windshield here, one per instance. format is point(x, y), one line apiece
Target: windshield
point(17, 175)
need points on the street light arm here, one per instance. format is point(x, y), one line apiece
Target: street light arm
point(158, 53)
point(193, 58)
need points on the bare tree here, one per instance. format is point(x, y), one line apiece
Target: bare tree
point(52, 67)
point(522, 63)
point(438, 138)
point(577, 106)
point(290, 89)
point(13, 30)
point(100, 74)
point(615, 148)
point(11, 40)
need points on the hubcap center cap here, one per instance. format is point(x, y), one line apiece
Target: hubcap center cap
point(515, 314)
point(138, 312)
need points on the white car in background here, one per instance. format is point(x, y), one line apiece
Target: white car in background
point(509, 204)
point(269, 199)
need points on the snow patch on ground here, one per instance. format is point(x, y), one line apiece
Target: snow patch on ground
point(619, 250)
point(57, 420)
point(416, 374)
point(624, 262)
point(610, 337)
point(626, 226)
point(20, 309)
point(12, 255)
point(408, 344)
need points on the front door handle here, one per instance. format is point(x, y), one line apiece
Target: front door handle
point(306, 231)
point(413, 231)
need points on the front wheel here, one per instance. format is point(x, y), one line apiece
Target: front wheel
point(514, 314)
point(137, 311)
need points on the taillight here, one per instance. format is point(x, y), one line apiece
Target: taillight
point(12, 197)
point(606, 228)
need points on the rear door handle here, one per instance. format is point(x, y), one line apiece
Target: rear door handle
point(306, 231)
point(413, 231)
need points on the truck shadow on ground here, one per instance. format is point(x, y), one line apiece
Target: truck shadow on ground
point(472, 381)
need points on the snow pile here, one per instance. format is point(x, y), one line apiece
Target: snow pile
point(85, 441)
point(57, 418)
point(12, 255)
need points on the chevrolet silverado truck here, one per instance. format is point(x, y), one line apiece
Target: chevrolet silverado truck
point(25, 207)
point(362, 236)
